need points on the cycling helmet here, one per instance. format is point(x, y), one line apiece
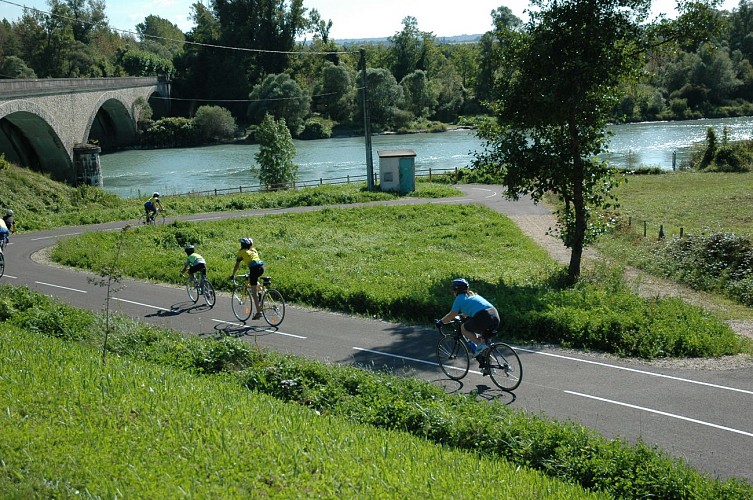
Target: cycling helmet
point(246, 242)
point(189, 249)
point(460, 284)
point(9, 212)
point(156, 194)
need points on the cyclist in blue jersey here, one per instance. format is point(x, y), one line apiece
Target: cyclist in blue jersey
point(482, 318)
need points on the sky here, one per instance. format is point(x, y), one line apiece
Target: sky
point(350, 18)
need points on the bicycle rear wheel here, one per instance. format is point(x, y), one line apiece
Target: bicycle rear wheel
point(209, 295)
point(504, 367)
point(272, 307)
point(192, 289)
point(2, 264)
point(242, 303)
point(453, 357)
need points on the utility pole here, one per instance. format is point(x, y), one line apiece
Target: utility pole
point(367, 125)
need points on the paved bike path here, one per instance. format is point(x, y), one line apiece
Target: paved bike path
point(702, 416)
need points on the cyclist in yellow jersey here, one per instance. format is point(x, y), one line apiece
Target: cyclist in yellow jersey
point(151, 205)
point(250, 257)
point(195, 263)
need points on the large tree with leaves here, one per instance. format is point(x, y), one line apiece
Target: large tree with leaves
point(559, 84)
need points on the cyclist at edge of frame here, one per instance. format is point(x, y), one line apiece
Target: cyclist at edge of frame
point(250, 257)
point(195, 263)
point(151, 206)
point(482, 316)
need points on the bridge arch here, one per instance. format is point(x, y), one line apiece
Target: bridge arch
point(29, 136)
point(43, 123)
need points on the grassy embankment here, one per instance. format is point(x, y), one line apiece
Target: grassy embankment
point(41, 203)
point(696, 204)
point(169, 416)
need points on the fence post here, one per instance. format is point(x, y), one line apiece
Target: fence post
point(661, 232)
point(321, 182)
point(682, 230)
point(457, 176)
point(215, 191)
point(240, 189)
point(645, 228)
point(348, 179)
point(630, 221)
point(429, 174)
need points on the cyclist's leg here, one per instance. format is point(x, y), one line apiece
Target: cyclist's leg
point(254, 273)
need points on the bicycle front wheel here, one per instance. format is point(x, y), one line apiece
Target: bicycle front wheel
point(453, 357)
point(192, 289)
point(273, 307)
point(209, 295)
point(242, 304)
point(2, 264)
point(504, 367)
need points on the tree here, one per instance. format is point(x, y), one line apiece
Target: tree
point(276, 152)
point(420, 97)
point(282, 97)
point(214, 123)
point(385, 96)
point(336, 93)
point(14, 67)
point(156, 30)
point(560, 84)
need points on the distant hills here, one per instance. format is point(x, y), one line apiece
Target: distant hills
point(440, 39)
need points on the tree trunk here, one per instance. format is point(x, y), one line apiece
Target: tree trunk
point(579, 204)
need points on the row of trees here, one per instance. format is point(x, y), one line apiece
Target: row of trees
point(246, 55)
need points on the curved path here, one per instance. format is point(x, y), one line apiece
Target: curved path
point(702, 416)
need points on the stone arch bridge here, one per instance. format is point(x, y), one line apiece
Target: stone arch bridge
point(60, 125)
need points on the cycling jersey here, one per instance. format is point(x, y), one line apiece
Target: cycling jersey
point(249, 256)
point(195, 259)
point(470, 305)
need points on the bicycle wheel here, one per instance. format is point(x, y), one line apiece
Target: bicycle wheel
point(504, 367)
point(453, 357)
point(272, 307)
point(209, 295)
point(2, 264)
point(242, 304)
point(192, 289)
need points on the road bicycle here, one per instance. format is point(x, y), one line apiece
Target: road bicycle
point(270, 300)
point(499, 360)
point(151, 218)
point(196, 288)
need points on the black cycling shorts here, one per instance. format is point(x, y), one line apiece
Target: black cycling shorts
point(254, 273)
point(483, 323)
point(198, 268)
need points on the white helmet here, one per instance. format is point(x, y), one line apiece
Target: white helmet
point(9, 212)
point(156, 194)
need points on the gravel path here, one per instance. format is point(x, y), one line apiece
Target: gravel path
point(536, 227)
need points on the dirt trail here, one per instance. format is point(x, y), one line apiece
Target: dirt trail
point(536, 226)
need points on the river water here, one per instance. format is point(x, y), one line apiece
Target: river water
point(182, 170)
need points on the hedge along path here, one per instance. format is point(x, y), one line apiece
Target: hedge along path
point(537, 227)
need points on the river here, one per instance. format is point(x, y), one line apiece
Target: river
point(172, 171)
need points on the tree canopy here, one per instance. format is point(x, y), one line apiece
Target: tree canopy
point(559, 82)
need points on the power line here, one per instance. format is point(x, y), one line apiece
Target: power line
point(209, 45)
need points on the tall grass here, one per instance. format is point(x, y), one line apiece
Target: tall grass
point(160, 428)
point(74, 427)
point(396, 263)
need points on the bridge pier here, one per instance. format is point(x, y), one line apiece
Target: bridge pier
point(86, 162)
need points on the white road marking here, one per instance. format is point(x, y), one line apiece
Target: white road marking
point(55, 236)
point(634, 370)
point(204, 218)
point(663, 413)
point(58, 286)
point(416, 360)
point(9, 276)
point(494, 193)
point(142, 304)
point(278, 332)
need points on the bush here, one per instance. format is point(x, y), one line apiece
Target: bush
point(170, 133)
point(316, 128)
point(214, 123)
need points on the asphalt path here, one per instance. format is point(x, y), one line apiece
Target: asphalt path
point(704, 417)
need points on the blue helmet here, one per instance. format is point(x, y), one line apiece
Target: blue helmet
point(246, 242)
point(460, 284)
